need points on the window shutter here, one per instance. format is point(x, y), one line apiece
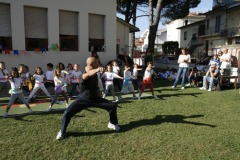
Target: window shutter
point(5, 20)
point(68, 23)
point(35, 22)
point(96, 26)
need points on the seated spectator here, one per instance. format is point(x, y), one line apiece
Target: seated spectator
point(215, 60)
point(173, 74)
point(211, 77)
point(193, 77)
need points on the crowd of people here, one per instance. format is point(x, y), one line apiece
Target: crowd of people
point(93, 84)
point(220, 64)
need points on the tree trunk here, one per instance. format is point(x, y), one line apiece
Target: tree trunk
point(153, 23)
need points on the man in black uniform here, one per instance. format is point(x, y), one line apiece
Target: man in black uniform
point(89, 97)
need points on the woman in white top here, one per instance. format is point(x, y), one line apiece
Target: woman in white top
point(225, 63)
point(184, 59)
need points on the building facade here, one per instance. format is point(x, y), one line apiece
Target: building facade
point(39, 32)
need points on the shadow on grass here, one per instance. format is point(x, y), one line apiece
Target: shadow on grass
point(159, 119)
point(53, 111)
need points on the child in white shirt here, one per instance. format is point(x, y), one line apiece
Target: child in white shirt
point(127, 83)
point(59, 82)
point(76, 73)
point(108, 77)
point(16, 91)
point(147, 80)
point(39, 83)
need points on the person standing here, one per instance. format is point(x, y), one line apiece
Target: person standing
point(16, 91)
point(147, 80)
point(184, 60)
point(89, 97)
point(58, 83)
point(3, 76)
point(225, 63)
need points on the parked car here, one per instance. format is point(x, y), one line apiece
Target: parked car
point(204, 60)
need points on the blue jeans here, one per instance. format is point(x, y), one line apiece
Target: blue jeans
point(181, 72)
point(211, 80)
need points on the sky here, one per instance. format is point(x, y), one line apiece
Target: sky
point(142, 23)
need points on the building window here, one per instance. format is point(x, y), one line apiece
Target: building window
point(217, 24)
point(96, 32)
point(36, 32)
point(68, 25)
point(185, 35)
point(5, 27)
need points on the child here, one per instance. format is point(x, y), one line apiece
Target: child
point(23, 76)
point(16, 90)
point(70, 70)
point(193, 77)
point(135, 77)
point(76, 73)
point(116, 70)
point(108, 76)
point(28, 76)
point(127, 83)
point(3, 75)
point(59, 82)
point(173, 74)
point(64, 73)
point(39, 83)
point(147, 80)
point(49, 76)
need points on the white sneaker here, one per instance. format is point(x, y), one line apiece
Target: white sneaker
point(183, 87)
point(173, 87)
point(50, 108)
point(115, 127)
point(5, 115)
point(104, 95)
point(203, 88)
point(59, 135)
point(30, 111)
point(188, 85)
point(209, 90)
point(115, 99)
point(154, 96)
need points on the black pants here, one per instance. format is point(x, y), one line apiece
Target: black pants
point(83, 103)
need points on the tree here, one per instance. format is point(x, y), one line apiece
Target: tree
point(170, 10)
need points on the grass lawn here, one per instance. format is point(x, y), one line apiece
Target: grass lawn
point(185, 124)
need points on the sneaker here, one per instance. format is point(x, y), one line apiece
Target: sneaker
point(203, 88)
point(115, 99)
point(30, 111)
point(115, 127)
point(50, 108)
point(59, 135)
point(173, 87)
point(104, 95)
point(209, 90)
point(5, 115)
point(188, 85)
point(183, 87)
point(154, 96)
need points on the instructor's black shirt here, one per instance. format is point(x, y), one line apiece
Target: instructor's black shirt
point(89, 87)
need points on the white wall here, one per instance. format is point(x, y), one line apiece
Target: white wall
point(32, 59)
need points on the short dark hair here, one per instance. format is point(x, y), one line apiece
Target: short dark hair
point(50, 65)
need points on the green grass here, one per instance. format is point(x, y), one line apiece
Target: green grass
point(181, 125)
